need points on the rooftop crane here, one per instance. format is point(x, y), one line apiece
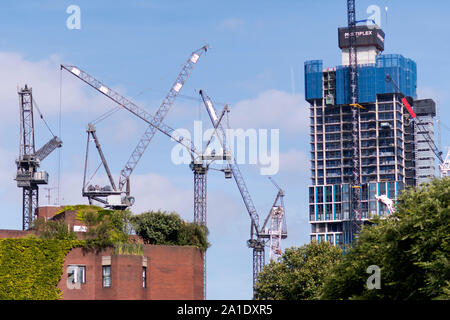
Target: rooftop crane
point(419, 125)
point(28, 177)
point(258, 234)
point(112, 193)
point(109, 192)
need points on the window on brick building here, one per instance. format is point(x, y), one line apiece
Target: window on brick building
point(106, 276)
point(144, 277)
point(76, 274)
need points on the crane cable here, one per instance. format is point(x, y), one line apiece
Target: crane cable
point(59, 132)
point(106, 115)
point(42, 117)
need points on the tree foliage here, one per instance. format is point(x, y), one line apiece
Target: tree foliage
point(411, 247)
point(49, 229)
point(105, 227)
point(299, 274)
point(165, 228)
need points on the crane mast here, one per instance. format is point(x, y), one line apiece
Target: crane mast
point(257, 234)
point(354, 224)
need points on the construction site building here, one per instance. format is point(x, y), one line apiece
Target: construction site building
point(392, 153)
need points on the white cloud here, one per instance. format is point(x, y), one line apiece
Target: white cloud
point(272, 109)
point(294, 161)
point(7, 172)
point(124, 129)
point(44, 78)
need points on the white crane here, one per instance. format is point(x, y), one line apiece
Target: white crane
point(115, 196)
point(277, 230)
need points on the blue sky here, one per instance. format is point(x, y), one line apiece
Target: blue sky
point(255, 64)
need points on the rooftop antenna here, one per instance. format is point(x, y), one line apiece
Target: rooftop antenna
point(48, 196)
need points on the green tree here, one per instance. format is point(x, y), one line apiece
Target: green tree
point(411, 247)
point(300, 273)
point(169, 229)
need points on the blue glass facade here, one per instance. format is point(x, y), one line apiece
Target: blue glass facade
point(330, 205)
point(371, 79)
point(313, 79)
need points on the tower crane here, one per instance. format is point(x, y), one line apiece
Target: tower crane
point(353, 226)
point(114, 195)
point(277, 224)
point(258, 234)
point(28, 177)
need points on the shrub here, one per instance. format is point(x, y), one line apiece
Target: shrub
point(48, 229)
point(169, 229)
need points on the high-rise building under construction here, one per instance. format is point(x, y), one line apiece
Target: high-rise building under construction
point(393, 154)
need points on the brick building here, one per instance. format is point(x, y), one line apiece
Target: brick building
point(159, 273)
point(162, 272)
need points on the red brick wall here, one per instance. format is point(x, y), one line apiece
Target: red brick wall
point(47, 211)
point(173, 273)
point(5, 233)
point(70, 218)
